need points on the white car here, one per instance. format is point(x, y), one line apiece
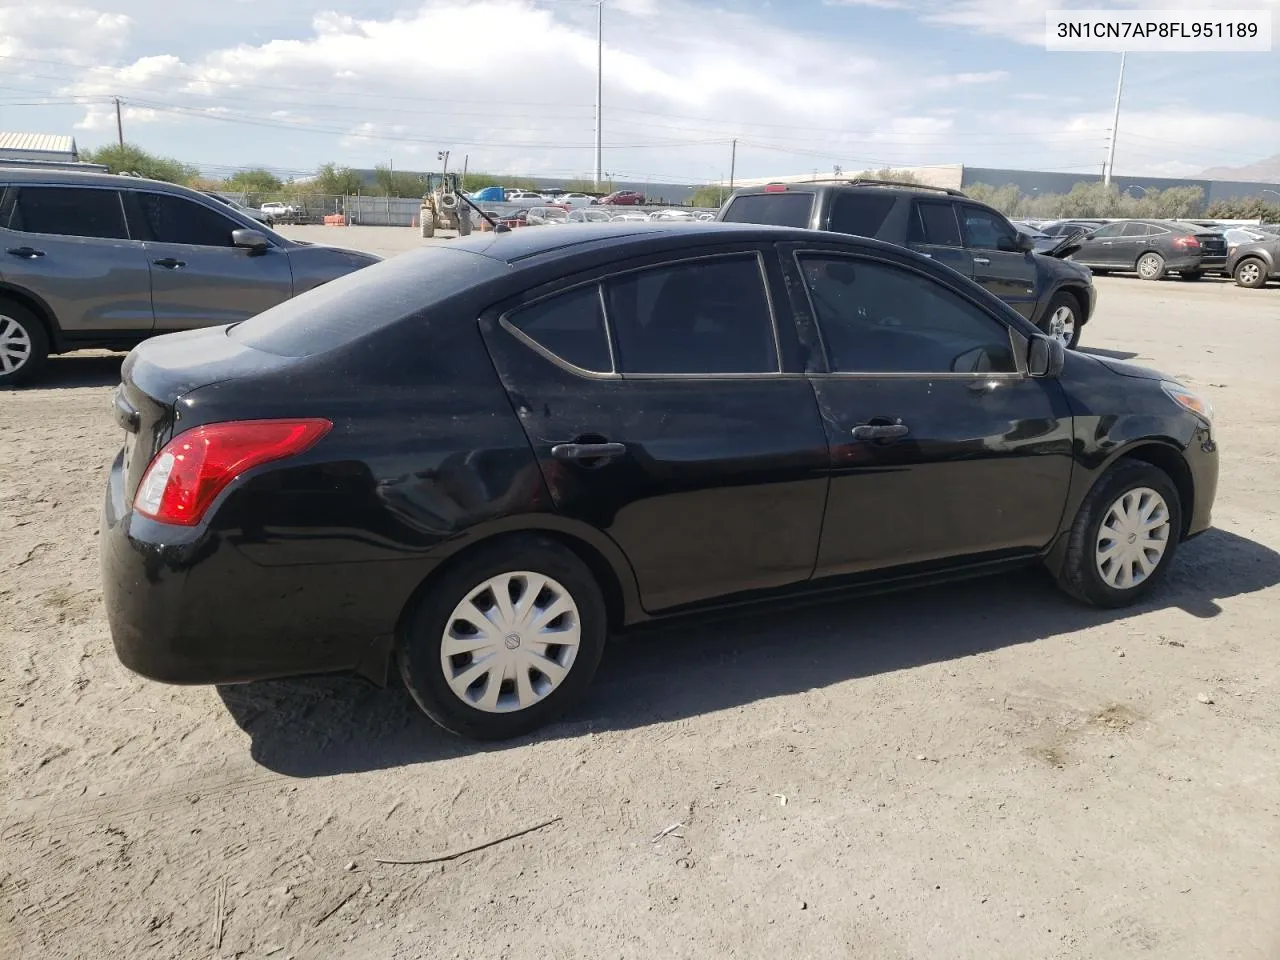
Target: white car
point(525, 196)
point(587, 215)
point(575, 199)
point(275, 210)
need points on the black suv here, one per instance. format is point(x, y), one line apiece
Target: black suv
point(971, 238)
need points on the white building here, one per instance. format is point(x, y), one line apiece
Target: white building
point(47, 147)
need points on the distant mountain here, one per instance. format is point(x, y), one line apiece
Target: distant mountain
point(1264, 171)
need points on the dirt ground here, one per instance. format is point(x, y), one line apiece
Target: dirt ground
point(984, 770)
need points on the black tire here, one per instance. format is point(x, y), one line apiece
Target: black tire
point(464, 226)
point(1064, 301)
point(419, 650)
point(1080, 575)
point(1155, 268)
point(1250, 272)
point(428, 226)
point(26, 330)
point(1191, 274)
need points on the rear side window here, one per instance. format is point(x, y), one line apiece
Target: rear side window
point(787, 209)
point(66, 212)
point(935, 223)
point(704, 316)
point(171, 219)
point(861, 214)
point(371, 299)
point(1137, 230)
point(569, 326)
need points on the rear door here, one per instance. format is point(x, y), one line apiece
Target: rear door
point(934, 231)
point(943, 450)
point(198, 279)
point(673, 426)
point(1135, 240)
point(998, 264)
point(70, 246)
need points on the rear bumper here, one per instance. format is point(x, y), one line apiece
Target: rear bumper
point(185, 606)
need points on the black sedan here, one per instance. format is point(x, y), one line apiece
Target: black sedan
point(475, 461)
point(1154, 248)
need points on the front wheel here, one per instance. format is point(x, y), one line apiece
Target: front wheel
point(506, 640)
point(428, 225)
point(24, 345)
point(1151, 266)
point(1124, 537)
point(1250, 272)
point(1062, 320)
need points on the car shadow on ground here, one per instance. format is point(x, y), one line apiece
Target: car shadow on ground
point(79, 370)
point(333, 725)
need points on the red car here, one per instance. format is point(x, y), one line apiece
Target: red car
point(624, 198)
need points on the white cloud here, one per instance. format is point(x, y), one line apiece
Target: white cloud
point(60, 31)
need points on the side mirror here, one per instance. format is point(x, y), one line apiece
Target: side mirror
point(1023, 244)
point(1046, 357)
point(255, 241)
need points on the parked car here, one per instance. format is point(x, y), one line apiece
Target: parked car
point(971, 238)
point(624, 198)
point(239, 208)
point(517, 218)
point(576, 200)
point(276, 210)
point(1065, 228)
point(94, 260)
point(631, 216)
point(1154, 248)
point(475, 460)
point(672, 214)
point(524, 196)
point(488, 195)
point(587, 215)
point(1252, 264)
point(541, 216)
point(1040, 242)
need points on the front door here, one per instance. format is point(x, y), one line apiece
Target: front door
point(1103, 248)
point(198, 279)
point(660, 412)
point(943, 450)
point(935, 232)
point(69, 246)
point(998, 264)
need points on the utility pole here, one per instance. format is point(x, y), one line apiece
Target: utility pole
point(119, 125)
point(1115, 128)
point(466, 159)
point(733, 162)
point(599, 80)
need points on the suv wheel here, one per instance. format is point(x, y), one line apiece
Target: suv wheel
point(1123, 537)
point(506, 640)
point(24, 344)
point(1062, 320)
point(1151, 266)
point(1251, 272)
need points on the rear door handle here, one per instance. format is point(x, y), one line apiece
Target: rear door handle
point(982, 260)
point(169, 263)
point(27, 253)
point(587, 451)
point(880, 431)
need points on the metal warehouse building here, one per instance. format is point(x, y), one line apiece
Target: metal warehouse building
point(47, 147)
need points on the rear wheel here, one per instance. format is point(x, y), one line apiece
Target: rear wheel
point(1151, 266)
point(1251, 272)
point(24, 344)
point(1063, 320)
point(505, 640)
point(1124, 536)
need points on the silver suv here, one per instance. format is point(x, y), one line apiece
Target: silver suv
point(94, 260)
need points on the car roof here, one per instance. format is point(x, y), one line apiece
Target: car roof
point(88, 178)
point(616, 236)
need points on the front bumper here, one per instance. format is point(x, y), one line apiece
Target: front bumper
point(1201, 456)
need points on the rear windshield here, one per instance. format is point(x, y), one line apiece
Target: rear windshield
point(777, 209)
point(343, 310)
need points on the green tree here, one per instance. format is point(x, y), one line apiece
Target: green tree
point(131, 159)
point(390, 183)
point(712, 195)
point(333, 179)
point(253, 181)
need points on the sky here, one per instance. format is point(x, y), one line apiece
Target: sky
point(803, 85)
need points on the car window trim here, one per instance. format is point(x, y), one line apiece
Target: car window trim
point(14, 190)
point(199, 201)
point(1019, 359)
point(616, 374)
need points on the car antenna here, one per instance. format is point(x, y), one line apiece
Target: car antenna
point(497, 227)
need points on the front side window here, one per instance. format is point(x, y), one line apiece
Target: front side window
point(878, 318)
point(67, 212)
point(703, 316)
point(986, 230)
point(569, 326)
point(934, 223)
point(173, 219)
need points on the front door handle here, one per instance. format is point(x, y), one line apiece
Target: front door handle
point(982, 260)
point(880, 431)
point(27, 253)
point(587, 451)
point(170, 263)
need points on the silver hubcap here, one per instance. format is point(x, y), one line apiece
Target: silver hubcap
point(1063, 325)
point(1249, 273)
point(1148, 266)
point(511, 642)
point(15, 345)
point(1132, 538)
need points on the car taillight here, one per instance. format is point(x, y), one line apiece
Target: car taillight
point(1186, 243)
point(775, 188)
point(195, 466)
